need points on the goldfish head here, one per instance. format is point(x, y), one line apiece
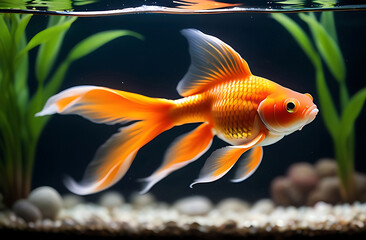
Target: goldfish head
point(286, 111)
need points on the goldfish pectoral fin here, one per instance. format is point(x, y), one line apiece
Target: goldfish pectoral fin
point(184, 150)
point(248, 164)
point(114, 158)
point(212, 60)
point(222, 160)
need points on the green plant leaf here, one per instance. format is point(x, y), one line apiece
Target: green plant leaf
point(327, 20)
point(327, 108)
point(83, 48)
point(46, 35)
point(299, 35)
point(5, 39)
point(5, 36)
point(49, 50)
point(19, 32)
point(95, 41)
point(327, 47)
point(351, 112)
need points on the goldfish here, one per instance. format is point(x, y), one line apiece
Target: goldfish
point(219, 92)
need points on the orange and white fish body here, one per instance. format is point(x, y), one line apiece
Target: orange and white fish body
point(218, 91)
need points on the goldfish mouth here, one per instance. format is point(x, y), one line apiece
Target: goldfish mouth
point(309, 114)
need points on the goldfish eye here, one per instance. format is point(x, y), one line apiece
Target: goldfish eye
point(291, 105)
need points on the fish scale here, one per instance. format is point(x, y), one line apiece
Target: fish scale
point(234, 110)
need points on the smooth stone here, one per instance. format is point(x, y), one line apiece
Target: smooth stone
point(326, 167)
point(193, 206)
point(71, 200)
point(1, 201)
point(360, 186)
point(233, 205)
point(142, 200)
point(285, 194)
point(48, 200)
point(327, 191)
point(303, 176)
point(111, 199)
point(264, 206)
point(26, 210)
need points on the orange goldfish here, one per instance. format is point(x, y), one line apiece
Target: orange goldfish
point(219, 92)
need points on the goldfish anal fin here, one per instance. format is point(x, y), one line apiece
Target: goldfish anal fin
point(182, 151)
point(212, 61)
point(222, 160)
point(248, 164)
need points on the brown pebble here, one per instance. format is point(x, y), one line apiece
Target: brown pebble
point(360, 186)
point(303, 176)
point(284, 193)
point(327, 191)
point(326, 167)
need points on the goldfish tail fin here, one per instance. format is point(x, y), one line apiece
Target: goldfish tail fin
point(114, 158)
point(104, 105)
point(183, 150)
point(248, 164)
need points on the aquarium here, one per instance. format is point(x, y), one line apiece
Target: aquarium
point(191, 119)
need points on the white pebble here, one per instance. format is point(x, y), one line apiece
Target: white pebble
point(48, 200)
point(193, 206)
point(265, 206)
point(111, 200)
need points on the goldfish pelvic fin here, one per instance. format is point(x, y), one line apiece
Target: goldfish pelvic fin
point(222, 160)
point(248, 164)
point(114, 158)
point(212, 62)
point(182, 151)
point(104, 105)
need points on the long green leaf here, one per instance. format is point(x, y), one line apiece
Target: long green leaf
point(327, 20)
point(351, 112)
point(83, 48)
point(327, 108)
point(299, 35)
point(48, 51)
point(5, 40)
point(46, 35)
point(327, 47)
point(19, 32)
point(95, 41)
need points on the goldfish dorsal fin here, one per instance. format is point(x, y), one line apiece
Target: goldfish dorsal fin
point(212, 61)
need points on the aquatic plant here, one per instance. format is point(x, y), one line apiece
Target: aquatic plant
point(19, 128)
point(339, 123)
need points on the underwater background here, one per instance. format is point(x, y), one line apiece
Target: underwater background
point(154, 66)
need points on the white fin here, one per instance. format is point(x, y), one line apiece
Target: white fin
point(223, 159)
point(248, 164)
point(219, 163)
point(212, 61)
point(184, 150)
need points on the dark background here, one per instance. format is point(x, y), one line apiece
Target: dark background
point(153, 67)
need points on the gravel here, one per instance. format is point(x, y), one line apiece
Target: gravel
point(166, 220)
